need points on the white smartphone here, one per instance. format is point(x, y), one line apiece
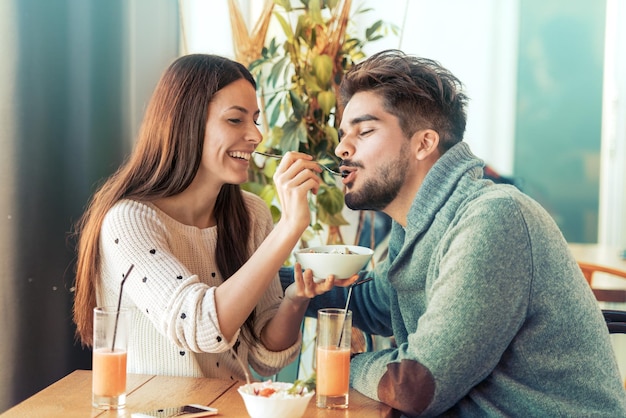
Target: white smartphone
point(186, 411)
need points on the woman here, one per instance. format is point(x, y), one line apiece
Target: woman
point(205, 253)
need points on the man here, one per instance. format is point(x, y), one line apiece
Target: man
point(489, 311)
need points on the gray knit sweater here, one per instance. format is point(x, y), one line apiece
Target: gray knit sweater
point(490, 313)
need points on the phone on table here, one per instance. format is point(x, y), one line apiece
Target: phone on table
point(186, 411)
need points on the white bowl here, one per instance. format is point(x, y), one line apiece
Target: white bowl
point(344, 261)
point(285, 406)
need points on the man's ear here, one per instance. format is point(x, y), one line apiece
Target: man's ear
point(427, 143)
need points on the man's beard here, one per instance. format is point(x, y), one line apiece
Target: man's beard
point(377, 193)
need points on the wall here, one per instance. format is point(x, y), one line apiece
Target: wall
point(73, 81)
point(612, 229)
point(559, 110)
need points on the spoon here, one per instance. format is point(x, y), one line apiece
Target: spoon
point(345, 310)
point(330, 170)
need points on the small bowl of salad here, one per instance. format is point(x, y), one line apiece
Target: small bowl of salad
point(277, 399)
point(344, 261)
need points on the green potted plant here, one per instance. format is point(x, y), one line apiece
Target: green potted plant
point(298, 75)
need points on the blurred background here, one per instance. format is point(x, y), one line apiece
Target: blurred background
point(547, 82)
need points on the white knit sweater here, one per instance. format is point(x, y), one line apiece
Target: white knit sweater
point(171, 290)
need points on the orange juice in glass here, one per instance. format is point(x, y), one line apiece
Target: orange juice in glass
point(109, 372)
point(109, 357)
point(334, 328)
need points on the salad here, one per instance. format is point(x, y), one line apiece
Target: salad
point(281, 390)
point(345, 251)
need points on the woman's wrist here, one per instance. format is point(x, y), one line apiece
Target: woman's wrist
point(296, 301)
point(290, 227)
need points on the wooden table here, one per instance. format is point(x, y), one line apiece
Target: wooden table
point(71, 397)
point(606, 288)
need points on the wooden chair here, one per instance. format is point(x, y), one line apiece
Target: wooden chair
point(589, 269)
point(615, 321)
point(603, 295)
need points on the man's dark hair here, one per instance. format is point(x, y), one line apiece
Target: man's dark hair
point(418, 91)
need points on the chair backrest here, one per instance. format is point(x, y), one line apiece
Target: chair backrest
point(604, 295)
point(589, 269)
point(615, 321)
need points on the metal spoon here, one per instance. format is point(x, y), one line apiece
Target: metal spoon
point(330, 170)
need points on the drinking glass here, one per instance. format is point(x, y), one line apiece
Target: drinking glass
point(110, 340)
point(334, 328)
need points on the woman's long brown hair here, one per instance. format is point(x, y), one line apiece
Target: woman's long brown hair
point(164, 162)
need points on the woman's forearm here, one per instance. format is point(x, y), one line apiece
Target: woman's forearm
point(283, 330)
point(237, 296)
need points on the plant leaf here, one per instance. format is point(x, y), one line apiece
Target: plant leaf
point(275, 136)
point(311, 83)
point(297, 74)
point(323, 69)
point(274, 116)
point(268, 194)
point(285, 25)
point(301, 133)
point(331, 198)
point(252, 187)
point(326, 100)
point(315, 12)
point(336, 219)
point(291, 136)
point(369, 32)
point(297, 105)
point(299, 385)
point(270, 167)
point(275, 211)
point(332, 135)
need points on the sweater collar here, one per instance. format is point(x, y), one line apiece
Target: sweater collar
point(439, 184)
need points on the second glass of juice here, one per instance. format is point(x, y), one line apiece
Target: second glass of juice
point(334, 329)
point(110, 340)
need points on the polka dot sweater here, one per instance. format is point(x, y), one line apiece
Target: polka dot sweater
point(171, 291)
